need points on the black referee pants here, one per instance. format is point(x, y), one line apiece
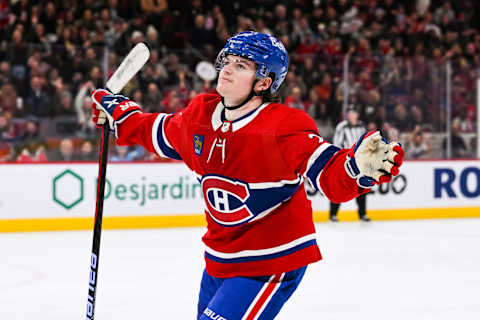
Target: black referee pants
point(361, 202)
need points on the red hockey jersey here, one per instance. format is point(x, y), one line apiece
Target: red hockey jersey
point(252, 173)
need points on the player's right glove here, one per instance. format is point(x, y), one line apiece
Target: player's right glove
point(373, 160)
point(113, 108)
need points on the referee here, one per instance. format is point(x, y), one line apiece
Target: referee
point(347, 133)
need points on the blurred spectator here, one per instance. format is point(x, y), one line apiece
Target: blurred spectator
point(183, 87)
point(137, 37)
point(473, 148)
point(291, 80)
point(17, 53)
point(401, 118)
point(172, 103)
point(459, 147)
point(154, 10)
point(146, 77)
point(320, 113)
point(123, 153)
point(204, 87)
point(87, 152)
point(38, 102)
point(82, 105)
point(173, 67)
point(65, 151)
point(444, 11)
point(390, 132)
point(5, 73)
point(96, 76)
point(117, 37)
point(294, 100)
point(31, 130)
point(39, 155)
point(325, 89)
point(152, 38)
point(153, 98)
point(39, 38)
point(201, 33)
point(7, 152)
point(64, 106)
point(10, 101)
point(8, 130)
point(466, 118)
point(137, 96)
point(48, 18)
point(308, 47)
point(418, 146)
point(417, 118)
point(309, 72)
point(347, 86)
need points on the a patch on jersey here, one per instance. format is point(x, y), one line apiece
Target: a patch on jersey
point(225, 126)
point(198, 144)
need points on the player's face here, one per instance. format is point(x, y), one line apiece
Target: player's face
point(236, 78)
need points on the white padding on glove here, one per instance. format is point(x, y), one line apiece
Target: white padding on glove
point(373, 160)
point(372, 155)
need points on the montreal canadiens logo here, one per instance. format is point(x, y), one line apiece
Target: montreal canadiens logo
point(226, 200)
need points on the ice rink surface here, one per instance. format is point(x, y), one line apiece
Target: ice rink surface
point(416, 270)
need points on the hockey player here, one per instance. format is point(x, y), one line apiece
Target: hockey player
point(252, 156)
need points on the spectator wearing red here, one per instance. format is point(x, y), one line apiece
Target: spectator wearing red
point(294, 100)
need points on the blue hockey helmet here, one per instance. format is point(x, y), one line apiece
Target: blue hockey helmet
point(266, 51)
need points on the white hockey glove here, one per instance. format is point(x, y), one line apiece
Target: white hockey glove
point(114, 108)
point(373, 160)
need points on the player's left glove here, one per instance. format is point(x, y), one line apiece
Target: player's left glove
point(113, 108)
point(373, 160)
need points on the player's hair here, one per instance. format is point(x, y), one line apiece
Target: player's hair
point(268, 96)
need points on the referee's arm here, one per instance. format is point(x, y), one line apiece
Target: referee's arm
point(338, 137)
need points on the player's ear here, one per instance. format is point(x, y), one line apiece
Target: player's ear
point(263, 84)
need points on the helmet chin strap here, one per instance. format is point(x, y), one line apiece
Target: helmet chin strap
point(250, 96)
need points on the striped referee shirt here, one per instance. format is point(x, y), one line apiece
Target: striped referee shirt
point(347, 134)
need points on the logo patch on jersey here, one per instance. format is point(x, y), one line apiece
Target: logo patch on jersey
point(226, 200)
point(225, 126)
point(198, 144)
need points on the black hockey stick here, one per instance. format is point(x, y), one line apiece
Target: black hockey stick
point(132, 63)
point(97, 228)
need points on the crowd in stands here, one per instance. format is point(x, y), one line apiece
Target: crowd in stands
point(389, 58)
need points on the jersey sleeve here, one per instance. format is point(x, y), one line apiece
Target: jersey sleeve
point(159, 133)
point(150, 130)
point(309, 155)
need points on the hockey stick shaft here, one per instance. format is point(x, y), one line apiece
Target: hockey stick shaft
point(132, 63)
point(97, 228)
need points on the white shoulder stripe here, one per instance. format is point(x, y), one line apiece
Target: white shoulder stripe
point(317, 153)
point(156, 123)
point(155, 128)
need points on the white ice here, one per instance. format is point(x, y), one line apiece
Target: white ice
point(416, 270)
